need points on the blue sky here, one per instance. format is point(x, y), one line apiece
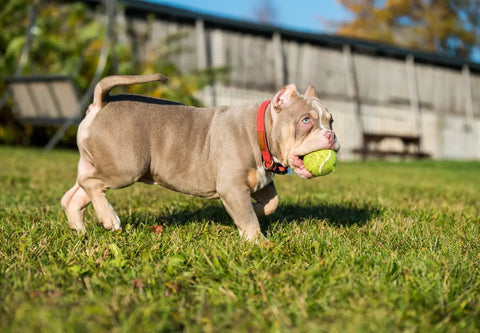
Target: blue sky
point(303, 15)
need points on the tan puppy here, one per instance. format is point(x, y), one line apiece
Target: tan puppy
point(206, 152)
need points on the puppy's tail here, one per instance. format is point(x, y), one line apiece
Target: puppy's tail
point(108, 83)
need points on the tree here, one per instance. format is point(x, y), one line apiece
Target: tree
point(445, 26)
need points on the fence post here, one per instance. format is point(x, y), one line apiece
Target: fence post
point(278, 59)
point(469, 111)
point(201, 44)
point(353, 91)
point(414, 95)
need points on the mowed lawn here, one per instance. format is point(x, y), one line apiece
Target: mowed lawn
point(376, 246)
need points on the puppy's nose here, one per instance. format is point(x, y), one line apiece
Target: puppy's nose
point(332, 139)
point(330, 136)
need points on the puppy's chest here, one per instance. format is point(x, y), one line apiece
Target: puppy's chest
point(258, 179)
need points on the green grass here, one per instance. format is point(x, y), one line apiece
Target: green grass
point(375, 246)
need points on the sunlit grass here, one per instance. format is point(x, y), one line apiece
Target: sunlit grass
point(377, 246)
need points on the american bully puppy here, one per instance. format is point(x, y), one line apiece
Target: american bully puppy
point(231, 153)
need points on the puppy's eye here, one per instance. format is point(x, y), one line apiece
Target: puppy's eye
point(331, 122)
point(306, 120)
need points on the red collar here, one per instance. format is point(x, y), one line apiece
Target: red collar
point(268, 161)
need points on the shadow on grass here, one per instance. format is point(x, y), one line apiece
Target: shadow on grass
point(335, 215)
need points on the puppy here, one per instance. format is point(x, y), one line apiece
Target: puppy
point(231, 153)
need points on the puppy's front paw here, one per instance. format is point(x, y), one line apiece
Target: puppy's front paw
point(80, 228)
point(112, 224)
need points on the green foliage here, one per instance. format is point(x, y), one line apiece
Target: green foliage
point(13, 19)
point(359, 250)
point(67, 39)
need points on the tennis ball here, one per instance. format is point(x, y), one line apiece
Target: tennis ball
point(320, 162)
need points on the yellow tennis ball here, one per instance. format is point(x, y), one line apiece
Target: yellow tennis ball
point(320, 162)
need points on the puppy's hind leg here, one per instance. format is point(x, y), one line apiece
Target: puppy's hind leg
point(74, 203)
point(96, 189)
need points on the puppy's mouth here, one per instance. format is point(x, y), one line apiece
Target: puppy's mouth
point(299, 167)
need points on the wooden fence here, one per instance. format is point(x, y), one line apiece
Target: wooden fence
point(369, 88)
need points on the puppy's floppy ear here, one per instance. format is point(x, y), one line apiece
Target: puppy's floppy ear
point(285, 97)
point(310, 92)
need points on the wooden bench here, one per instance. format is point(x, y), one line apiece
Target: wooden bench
point(44, 99)
point(371, 146)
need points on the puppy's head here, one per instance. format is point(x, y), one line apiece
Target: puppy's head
point(301, 124)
